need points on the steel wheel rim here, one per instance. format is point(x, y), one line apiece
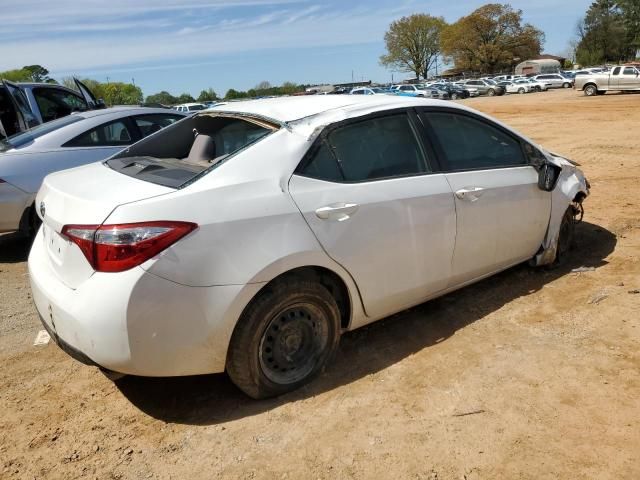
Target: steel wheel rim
point(293, 342)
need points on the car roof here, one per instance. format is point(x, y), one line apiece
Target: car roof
point(291, 109)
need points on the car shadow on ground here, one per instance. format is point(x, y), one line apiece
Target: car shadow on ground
point(14, 247)
point(213, 399)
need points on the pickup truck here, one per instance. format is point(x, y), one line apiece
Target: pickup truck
point(622, 78)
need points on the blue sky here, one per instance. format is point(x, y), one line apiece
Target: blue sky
point(190, 45)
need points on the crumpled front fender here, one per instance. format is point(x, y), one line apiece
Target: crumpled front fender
point(572, 187)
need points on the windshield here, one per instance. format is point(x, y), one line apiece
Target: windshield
point(28, 136)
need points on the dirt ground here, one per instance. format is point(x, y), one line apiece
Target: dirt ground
point(532, 374)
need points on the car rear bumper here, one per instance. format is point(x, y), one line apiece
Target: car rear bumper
point(136, 323)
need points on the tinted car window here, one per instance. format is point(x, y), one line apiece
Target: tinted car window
point(629, 71)
point(110, 134)
point(471, 144)
point(148, 124)
point(55, 103)
point(322, 165)
point(378, 148)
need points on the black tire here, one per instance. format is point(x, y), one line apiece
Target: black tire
point(521, 91)
point(491, 92)
point(284, 338)
point(590, 90)
point(538, 89)
point(565, 237)
point(454, 96)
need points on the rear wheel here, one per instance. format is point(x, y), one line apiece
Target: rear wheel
point(566, 85)
point(284, 338)
point(491, 92)
point(454, 96)
point(521, 90)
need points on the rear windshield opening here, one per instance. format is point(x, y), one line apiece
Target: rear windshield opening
point(179, 153)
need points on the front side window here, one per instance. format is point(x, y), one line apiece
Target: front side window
point(378, 148)
point(110, 134)
point(55, 103)
point(471, 144)
point(616, 71)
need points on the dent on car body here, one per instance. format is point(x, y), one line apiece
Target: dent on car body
point(572, 187)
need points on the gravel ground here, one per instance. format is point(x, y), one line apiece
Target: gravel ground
point(532, 374)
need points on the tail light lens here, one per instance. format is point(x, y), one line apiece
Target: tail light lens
point(116, 248)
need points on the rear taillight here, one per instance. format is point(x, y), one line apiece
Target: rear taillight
point(116, 248)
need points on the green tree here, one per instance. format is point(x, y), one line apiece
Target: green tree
point(38, 73)
point(413, 44)
point(163, 98)
point(207, 95)
point(491, 39)
point(185, 98)
point(234, 94)
point(603, 35)
point(113, 93)
point(18, 75)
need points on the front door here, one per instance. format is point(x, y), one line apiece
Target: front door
point(25, 118)
point(369, 195)
point(502, 215)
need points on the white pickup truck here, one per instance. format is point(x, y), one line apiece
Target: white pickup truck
point(620, 78)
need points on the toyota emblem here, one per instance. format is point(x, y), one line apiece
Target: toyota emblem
point(42, 209)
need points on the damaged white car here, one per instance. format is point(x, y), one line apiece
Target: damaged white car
point(248, 237)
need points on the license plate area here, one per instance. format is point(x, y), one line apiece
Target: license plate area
point(56, 245)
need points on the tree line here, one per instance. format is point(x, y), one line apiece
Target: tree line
point(609, 32)
point(494, 38)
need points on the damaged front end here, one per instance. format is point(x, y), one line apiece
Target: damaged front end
point(567, 209)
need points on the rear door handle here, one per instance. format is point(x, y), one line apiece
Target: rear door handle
point(470, 194)
point(337, 211)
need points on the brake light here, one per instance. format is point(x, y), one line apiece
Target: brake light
point(116, 248)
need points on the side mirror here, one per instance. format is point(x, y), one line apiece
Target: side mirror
point(548, 176)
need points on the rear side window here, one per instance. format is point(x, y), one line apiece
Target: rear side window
point(110, 134)
point(629, 71)
point(148, 124)
point(471, 144)
point(378, 148)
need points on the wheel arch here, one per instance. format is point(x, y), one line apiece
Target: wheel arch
point(319, 267)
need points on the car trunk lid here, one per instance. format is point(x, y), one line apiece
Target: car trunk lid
point(82, 196)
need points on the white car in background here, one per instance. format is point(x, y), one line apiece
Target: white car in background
point(248, 237)
point(190, 107)
point(67, 142)
point(368, 91)
point(512, 87)
point(535, 86)
point(554, 80)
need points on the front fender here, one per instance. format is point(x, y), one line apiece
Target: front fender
point(572, 187)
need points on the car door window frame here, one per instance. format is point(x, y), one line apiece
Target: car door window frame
point(416, 126)
point(129, 125)
point(439, 154)
point(138, 130)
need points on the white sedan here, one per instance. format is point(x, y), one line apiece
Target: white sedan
point(248, 237)
point(512, 87)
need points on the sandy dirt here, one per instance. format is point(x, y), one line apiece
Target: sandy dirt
point(532, 374)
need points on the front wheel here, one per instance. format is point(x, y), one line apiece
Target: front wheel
point(521, 91)
point(491, 92)
point(454, 96)
point(284, 338)
point(566, 85)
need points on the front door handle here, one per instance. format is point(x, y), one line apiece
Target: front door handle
point(337, 211)
point(470, 194)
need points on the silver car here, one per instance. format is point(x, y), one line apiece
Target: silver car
point(77, 139)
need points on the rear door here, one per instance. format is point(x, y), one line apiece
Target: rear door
point(629, 80)
point(26, 119)
point(368, 193)
point(502, 215)
point(92, 102)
